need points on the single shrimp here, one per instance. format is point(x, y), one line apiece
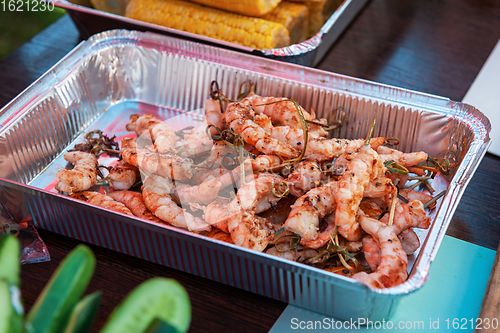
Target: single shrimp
point(135, 203)
point(156, 194)
point(123, 176)
point(225, 176)
point(83, 175)
point(393, 260)
point(403, 159)
point(166, 165)
point(249, 230)
point(203, 193)
point(327, 149)
point(163, 137)
point(305, 176)
point(366, 166)
point(281, 110)
point(309, 209)
point(102, 200)
point(256, 194)
point(140, 124)
point(239, 118)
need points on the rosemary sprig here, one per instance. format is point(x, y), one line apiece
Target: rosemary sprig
point(433, 200)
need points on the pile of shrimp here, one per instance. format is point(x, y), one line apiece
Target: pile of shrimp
point(263, 174)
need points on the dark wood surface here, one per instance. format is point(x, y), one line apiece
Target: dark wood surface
point(434, 46)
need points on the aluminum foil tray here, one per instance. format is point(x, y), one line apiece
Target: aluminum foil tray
point(90, 21)
point(116, 73)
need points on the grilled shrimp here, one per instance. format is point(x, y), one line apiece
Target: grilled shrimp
point(281, 110)
point(165, 165)
point(309, 209)
point(102, 200)
point(393, 260)
point(204, 193)
point(327, 149)
point(135, 203)
point(305, 176)
point(256, 194)
point(83, 175)
point(249, 230)
point(163, 137)
point(404, 159)
point(123, 176)
point(156, 194)
point(365, 167)
point(140, 124)
point(239, 118)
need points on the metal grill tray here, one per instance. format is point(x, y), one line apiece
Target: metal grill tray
point(90, 21)
point(115, 73)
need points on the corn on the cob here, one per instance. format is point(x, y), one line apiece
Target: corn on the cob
point(244, 7)
point(201, 20)
point(319, 12)
point(111, 6)
point(294, 16)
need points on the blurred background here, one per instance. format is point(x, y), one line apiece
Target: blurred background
point(18, 27)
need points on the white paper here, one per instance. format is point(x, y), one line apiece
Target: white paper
point(484, 94)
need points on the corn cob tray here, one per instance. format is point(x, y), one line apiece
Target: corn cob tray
point(309, 52)
point(116, 73)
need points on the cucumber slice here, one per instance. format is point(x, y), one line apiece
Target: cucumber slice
point(10, 269)
point(52, 309)
point(83, 314)
point(11, 319)
point(158, 298)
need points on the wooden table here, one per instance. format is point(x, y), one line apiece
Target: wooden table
point(437, 47)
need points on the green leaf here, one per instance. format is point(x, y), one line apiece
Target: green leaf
point(10, 268)
point(53, 307)
point(11, 314)
point(156, 299)
point(83, 314)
